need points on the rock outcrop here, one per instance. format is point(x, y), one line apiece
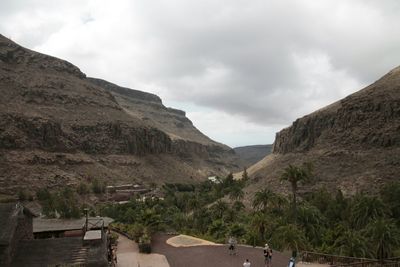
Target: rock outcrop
point(59, 127)
point(353, 143)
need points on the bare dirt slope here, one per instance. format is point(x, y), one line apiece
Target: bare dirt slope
point(58, 127)
point(250, 155)
point(354, 143)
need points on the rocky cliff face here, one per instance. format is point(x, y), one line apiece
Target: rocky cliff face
point(59, 127)
point(367, 119)
point(353, 143)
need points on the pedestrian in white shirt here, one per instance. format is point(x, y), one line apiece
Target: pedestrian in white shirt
point(247, 263)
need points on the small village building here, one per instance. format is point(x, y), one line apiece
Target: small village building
point(88, 246)
point(125, 192)
point(56, 228)
point(214, 179)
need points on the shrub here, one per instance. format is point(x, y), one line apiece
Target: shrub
point(98, 187)
point(83, 189)
point(43, 194)
point(113, 238)
point(145, 244)
point(23, 195)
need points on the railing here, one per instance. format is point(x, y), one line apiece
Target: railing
point(94, 223)
point(371, 263)
point(322, 258)
point(342, 261)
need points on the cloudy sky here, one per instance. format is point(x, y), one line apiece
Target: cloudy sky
point(241, 69)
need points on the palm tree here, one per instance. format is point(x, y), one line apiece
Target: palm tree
point(294, 175)
point(352, 243)
point(245, 176)
point(259, 223)
point(219, 208)
point(312, 221)
point(365, 209)
point(262, 199)
point(238, 206)
point(279, 203)
point(390, 195)
point(289, 237)
point(384, 236)
point(236, 193)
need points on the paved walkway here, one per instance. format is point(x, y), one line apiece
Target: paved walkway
point(212, 256)
point(128, 255)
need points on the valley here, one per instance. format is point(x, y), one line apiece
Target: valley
point(71, 145)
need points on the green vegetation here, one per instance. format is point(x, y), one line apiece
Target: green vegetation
point(295, 175)
point(98, 187)
point(83, 189)
point(23, 195)
point(63, 203)
point(360, 226)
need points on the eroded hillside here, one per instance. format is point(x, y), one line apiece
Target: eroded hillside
point(58, 127)
point(354, 143)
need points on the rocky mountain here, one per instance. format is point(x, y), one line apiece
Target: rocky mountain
point(59, 127)
point(250, 155)
point(354, 144)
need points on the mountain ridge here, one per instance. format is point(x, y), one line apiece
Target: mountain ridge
point(353, 143)
point(59, 127)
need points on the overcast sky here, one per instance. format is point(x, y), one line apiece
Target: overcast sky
point(241, 69)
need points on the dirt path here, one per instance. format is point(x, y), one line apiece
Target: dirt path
point(212, 256)
point(128, 255)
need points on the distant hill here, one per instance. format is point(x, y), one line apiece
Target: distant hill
point(354, 143)
point(250, 155)
point(58, 127)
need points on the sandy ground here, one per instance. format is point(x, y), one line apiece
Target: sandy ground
point(128, 255)
point(188, 241)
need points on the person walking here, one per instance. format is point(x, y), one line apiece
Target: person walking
point(247, 263)
point(267, 256)
point(232, 245)
point(292, 262)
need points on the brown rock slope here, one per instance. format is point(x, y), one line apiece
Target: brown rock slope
point(353, 143)
point(58, 127)
point(250, 155)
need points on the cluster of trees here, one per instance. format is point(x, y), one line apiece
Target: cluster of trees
point(360, 226)
point(196, 209)
point(63, 203)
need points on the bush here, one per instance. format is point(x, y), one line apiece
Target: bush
point(83, 189)
point(145, 244)
point(98, 187)
point(43, 194)
point(113, 238)
point(24, 195)
point(135, 231)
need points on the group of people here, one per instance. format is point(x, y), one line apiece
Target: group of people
point(267, 251)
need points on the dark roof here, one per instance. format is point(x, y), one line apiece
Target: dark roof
point(33, 207)
point(8, 221)
point(59, 251)
point(54, 225)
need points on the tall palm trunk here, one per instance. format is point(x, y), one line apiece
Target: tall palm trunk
point(294, 191)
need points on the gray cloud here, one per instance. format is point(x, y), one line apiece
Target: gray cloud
point(267, 62)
